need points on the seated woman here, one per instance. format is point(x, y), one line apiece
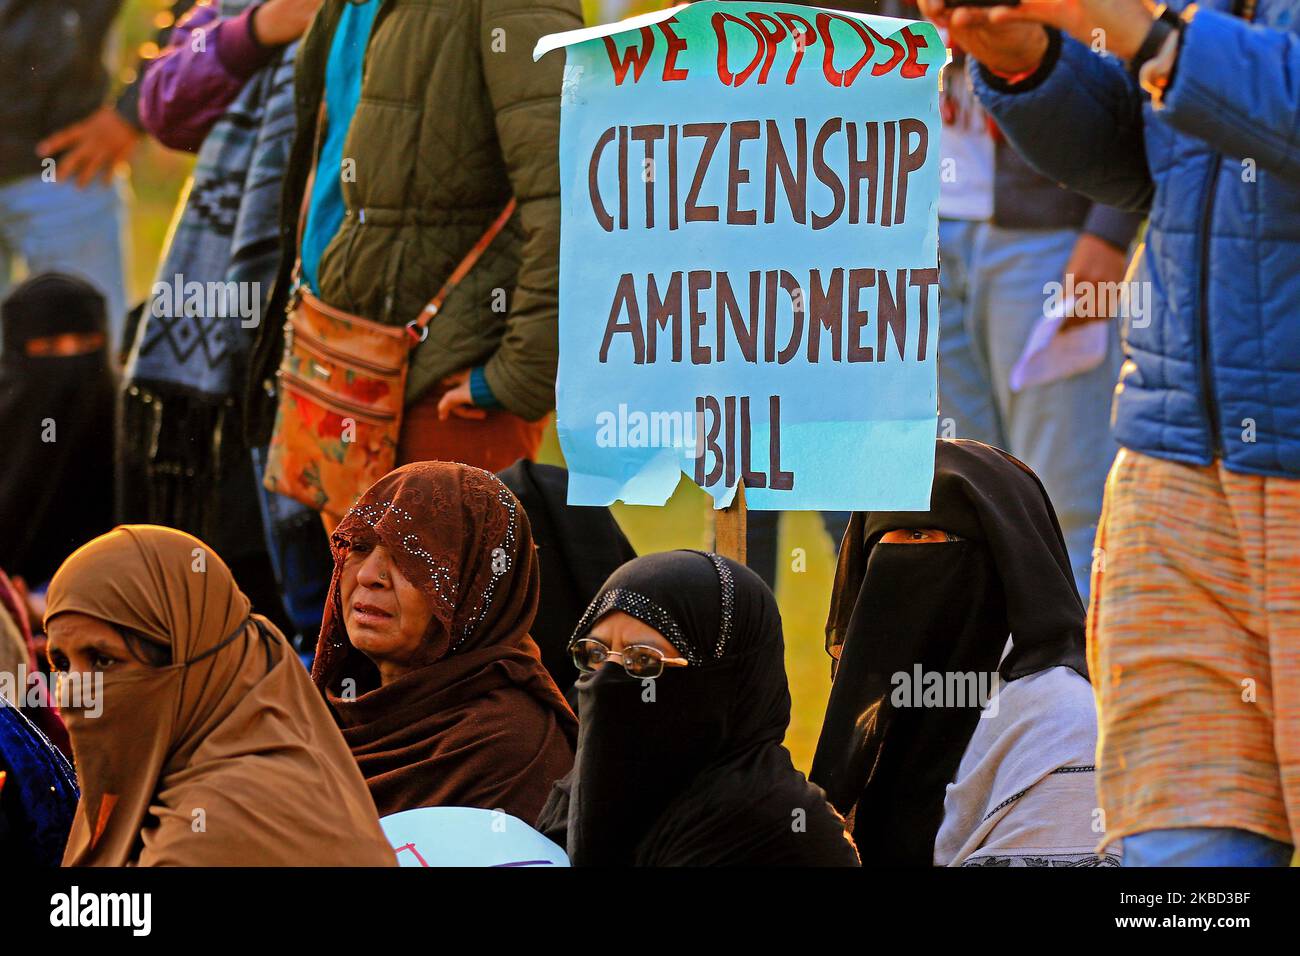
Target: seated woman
point(923, 606)
point(424, 652)
point(683, 706)
point(198, 737)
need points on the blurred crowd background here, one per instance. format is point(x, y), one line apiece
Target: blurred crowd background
point(157, 176)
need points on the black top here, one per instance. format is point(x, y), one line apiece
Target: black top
point(689, 769)
point(52, 72)
point(577, 547)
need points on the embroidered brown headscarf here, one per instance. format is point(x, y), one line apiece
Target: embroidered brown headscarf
point(227, 756)
point(483, 725)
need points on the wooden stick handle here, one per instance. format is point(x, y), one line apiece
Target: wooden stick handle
point(729, 528)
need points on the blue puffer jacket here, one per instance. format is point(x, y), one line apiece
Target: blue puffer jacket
point(1213, 369)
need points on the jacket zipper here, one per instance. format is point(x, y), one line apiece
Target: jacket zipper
point(312, 344)
point(297, 382)
point(1246, 10)
point(1207, 375)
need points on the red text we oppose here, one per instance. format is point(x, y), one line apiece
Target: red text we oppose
point(770, 31)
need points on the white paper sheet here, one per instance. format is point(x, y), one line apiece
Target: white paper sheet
point(1051, 355)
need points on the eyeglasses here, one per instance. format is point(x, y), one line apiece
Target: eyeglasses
point(639, 660)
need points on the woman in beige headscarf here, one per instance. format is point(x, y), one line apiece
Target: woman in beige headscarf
point(208, 745)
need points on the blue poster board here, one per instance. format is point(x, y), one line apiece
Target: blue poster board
point(749, 257)
point(466, 836)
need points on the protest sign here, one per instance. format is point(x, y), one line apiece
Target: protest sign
point(467, 836)
point(749, 257)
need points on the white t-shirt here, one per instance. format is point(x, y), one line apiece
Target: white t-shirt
point(965, 149)
point(1025, 793)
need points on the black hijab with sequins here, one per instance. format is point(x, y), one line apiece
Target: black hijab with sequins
point(689, 769)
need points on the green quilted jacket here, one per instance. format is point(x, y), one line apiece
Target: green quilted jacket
point(454, 119)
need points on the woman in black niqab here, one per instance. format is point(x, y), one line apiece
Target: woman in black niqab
point(57, 396)
point(690, 769)
point(945, 608)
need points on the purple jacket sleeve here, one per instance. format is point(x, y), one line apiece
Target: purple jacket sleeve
point(195, 79)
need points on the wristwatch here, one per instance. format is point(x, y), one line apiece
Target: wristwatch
point(1165, 25)
point(1158, 72)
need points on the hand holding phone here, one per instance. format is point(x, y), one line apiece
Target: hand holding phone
point(1006, 46)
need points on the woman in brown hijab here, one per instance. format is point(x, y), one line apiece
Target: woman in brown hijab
point(208, 745)
point(424, 651)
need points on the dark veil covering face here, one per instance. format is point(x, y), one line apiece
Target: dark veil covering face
point(689, 769)
point(577, 548)
point(902, 611)
point(54, 494)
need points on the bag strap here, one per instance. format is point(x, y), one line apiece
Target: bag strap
point(418, 328)
point(296, 279)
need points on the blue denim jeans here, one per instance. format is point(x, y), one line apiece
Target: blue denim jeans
point(300, 555)
point(1204, 846)
point(991, 293)
point(57, 227)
